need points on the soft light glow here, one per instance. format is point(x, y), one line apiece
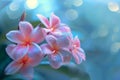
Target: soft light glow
point(112, 6)
point(116, 29)
point(115, 47)
point(15, 9)
point(77, 3)
point(47, 8)
point(14, 6)
point(71, 14)
point(114, 37)
point(68, 3)
point(103, 31)
point(32, 4)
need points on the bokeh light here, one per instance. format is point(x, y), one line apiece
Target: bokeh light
point(113, 6)
point(77, 3)
point(115, 47)
point(103, 31)
point(71, 14)
point(15, 9)
point(14, 6)
point(32, 4)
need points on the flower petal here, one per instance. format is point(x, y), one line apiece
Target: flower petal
point(81, 53)
point(36, 60)
point(46, 30)
point(35, 53)
point(27, 71)
point(9, 50)
point(15, 36)
point(26, 28)
point(55, 60)
point(54, 21)
point(65, 30)
point(77, 58)
point(51, 40)
point(66, 55)
point(44, 20)
point(56, 32)
point(37, 35)
point(13, 67)
point(62, 41)
point(77, 41)
point(46, 49)
point(18, 52)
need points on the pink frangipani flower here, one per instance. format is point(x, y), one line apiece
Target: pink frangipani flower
point(55, 50)
point(54, 25)
point(23, 66)
point(76, 50)
point(26, 53)
point(26, 38)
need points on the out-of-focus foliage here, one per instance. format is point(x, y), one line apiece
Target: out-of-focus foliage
point(96, 22)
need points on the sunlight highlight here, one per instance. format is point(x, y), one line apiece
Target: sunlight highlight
point(77, 3)
point(32, 4)
point(115, 47)
point(113, 6)
point(71, 14)
point(14, 6)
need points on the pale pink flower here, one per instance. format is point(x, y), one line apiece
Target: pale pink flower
point(55, 50)
point(76, 50)
point(53, 26)
point(26, 38)
point(23, 66)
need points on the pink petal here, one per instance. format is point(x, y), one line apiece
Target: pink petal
point(46, 30)
point(54, 21)
point(9, 50)
point(51, 40)
point(66, 55)
point(77, 41)
point(27, 71)
point(46, 49)
point(35, 53)
point(65, 30)
point(70, 37)
point(55, 60)
point(15, 36)
point(36, 60)
point(81, 53)
point(77, 58)
point(26, 28)
point(44, 20)
point(62, 41)
point(13, 67)
point(37, 35)
point(18, 52)
point(57, 32)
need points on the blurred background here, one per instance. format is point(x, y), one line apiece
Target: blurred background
point(96, 22)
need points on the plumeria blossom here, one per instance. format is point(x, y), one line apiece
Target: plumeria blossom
point(55, 50)
point(54, 25)
point(23, 66)
point(26, 53)
point(26, 38)
point(76, 50)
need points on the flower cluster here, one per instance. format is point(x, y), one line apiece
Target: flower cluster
point(59, 46)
